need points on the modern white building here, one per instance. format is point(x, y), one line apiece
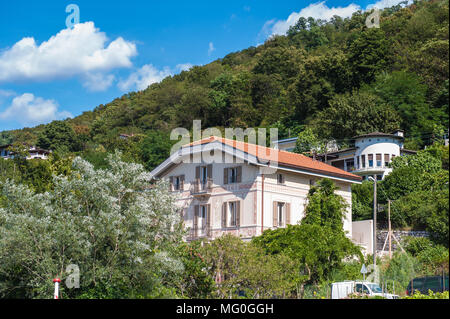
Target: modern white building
point(225, 186)
point(33, 152)
point(370, 155)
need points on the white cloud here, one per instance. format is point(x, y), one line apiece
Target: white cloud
point(184, 67)
point(143, 77)
point(385, 4)
point(148, 74)
point(6, 93)
point(316, 10)
point(70, 52)
point(319, 10)
point(96, 82)
point(30, 110)
point(211, 48)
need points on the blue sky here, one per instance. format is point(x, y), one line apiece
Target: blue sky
point(48, 71)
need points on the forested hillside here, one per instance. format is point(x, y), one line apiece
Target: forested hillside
point(338, 78)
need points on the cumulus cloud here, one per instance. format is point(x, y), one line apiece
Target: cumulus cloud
point(28, 109)
point(80, 50)
point(211, 48)
point(385, 4)
point(184, 67)
point(96, 82)
point(321, 11)
point(316, 10)
point(144, 77)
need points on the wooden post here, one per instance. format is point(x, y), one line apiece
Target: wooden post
point(389, 223)
point(374, 221)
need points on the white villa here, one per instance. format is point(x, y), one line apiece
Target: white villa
point(227, 186)
point(33, 152)
point(370, 155)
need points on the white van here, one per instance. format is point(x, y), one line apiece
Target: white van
point(340, 290)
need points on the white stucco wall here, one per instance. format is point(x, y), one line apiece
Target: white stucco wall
point(249, 192)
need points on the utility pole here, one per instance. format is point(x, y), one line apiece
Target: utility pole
point(374, 221)
point(389, 224)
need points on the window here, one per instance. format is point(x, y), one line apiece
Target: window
point(202, 225)
point(363, 161)
point(203, 174)
point(357, 162)
point(370, 156)
point(232, 175)
point(232, 213)
point(312, 182)
point(203, 216)
point(362, 288)
point(177, 183)
point(280, 178)
point(203, 177)
point(350, 164)
point(386, 160)
point(281, 218)
point(378, 160)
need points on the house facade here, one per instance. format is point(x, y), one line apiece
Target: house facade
point(33, 152)
point(370, 155)
point(244, 189)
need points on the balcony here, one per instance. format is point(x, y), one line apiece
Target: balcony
point(199, 232)
point(201, 187)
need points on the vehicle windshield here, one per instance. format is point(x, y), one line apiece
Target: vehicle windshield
point(375, 288)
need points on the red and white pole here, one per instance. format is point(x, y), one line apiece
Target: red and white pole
point(56, 281)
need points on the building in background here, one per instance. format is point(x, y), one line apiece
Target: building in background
point(370, 155)
point(33, 152)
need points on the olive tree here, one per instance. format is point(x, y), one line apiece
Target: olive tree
point(110, 223)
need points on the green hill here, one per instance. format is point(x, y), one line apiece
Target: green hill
point(338, 77)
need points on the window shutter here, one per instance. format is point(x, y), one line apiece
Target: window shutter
point(208, 220)
point(209, 171)
point(238, 213)
point(171, 183)
point(239, 174)
point(275, 214)
point(288, 213)
point(182, 182)
point(224, 215)
point(197, 172)
point(225, 175)
point(196, 213)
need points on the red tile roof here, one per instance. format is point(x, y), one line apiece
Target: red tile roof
point(284, 159)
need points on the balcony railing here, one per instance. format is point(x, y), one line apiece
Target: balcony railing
point(199, 232)
point(202, 186)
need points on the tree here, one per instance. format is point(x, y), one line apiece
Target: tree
point(319, 243)
point(307, 142)
point(353, 114)
point(109, 222)
point(154, 149)
point(242, 269)
point(405, 92)
point(369, 54)
point(58, 136)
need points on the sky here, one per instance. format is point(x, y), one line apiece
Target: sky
point(54, 66)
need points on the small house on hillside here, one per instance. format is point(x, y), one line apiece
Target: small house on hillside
point(33, 152)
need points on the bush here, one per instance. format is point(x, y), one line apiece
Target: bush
point(431, 295)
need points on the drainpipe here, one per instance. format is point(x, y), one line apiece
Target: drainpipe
point(262, 203)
